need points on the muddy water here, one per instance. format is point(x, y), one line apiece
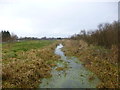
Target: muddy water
point(74, 74)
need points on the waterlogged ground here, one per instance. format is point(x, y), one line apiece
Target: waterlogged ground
point(69, 73)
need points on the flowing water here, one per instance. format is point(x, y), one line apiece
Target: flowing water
point(75, 75)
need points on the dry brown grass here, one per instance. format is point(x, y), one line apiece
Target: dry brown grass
point(60, 68)
point(103, 62)
point(29, 68)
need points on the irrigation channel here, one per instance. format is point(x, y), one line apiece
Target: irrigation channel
point(75, 75)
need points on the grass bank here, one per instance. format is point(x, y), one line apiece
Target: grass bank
point(10, 50)
point(26, 63)
point(103, 62)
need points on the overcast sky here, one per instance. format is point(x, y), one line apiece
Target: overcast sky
point(55, 18)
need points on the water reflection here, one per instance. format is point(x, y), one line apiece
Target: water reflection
point(58, 50)
point(75, 76)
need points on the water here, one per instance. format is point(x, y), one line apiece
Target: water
point(74, 76)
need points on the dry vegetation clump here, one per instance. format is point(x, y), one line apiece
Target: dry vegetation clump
point(27, 70)
point(61, 68)
point(103, 62)
point(92, 77)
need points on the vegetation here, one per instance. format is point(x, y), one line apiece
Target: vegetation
point(106, 35)
point(26, 63)
point(7, 37)
point(10, 50)
point(98, 51)
point(103, 62)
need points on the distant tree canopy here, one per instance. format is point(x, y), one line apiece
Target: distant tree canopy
point(6, 36)
point(106, 35)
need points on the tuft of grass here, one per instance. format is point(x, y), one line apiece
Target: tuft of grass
point(59, 68)
point(91, 78)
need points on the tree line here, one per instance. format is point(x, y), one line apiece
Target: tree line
point(105, 35)
point(6, 36)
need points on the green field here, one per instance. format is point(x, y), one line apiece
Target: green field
point(10, 50)
point(26, 45)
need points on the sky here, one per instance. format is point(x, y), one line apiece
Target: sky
point(55, 18)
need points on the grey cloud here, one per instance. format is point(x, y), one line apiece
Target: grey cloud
point(62, 19)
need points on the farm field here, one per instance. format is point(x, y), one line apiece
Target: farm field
point(25, 63)
point(9, 50)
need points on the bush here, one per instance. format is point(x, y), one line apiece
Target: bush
point(106, 35)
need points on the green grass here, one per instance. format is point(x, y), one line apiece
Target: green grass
point(26, 45)
point(0, 45)
point(10, 50)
